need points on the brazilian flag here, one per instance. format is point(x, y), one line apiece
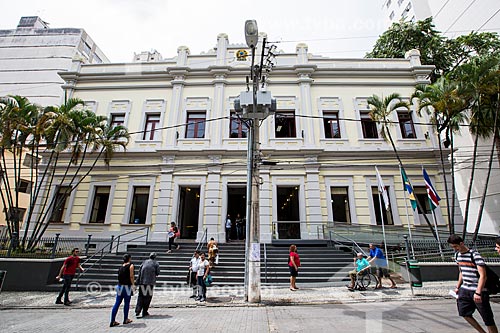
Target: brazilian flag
point(409, 189)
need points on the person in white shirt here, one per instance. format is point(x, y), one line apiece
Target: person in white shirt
point(203, 270)
point(228, 225)
point(193, 270)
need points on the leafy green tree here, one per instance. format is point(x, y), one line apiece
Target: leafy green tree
point(71, 140)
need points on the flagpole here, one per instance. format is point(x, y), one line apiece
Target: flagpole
point(408, 218)
point(383, 230)
point(434, 217)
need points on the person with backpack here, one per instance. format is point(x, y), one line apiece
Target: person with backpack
point(470, 288)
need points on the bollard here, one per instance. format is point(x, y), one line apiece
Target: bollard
point(54, 247)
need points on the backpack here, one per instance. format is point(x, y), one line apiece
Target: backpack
point(492, 279)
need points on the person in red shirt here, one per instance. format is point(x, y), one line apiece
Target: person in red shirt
point(67, 272)
point(293, 265)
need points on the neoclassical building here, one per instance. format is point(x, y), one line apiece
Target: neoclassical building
point(186, 161)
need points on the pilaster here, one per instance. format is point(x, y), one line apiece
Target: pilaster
point(165, 200)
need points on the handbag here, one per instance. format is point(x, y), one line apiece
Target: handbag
point(208, 280)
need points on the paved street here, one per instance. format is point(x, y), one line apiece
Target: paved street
point(416, 316)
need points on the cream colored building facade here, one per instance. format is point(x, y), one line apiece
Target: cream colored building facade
point(187, 163)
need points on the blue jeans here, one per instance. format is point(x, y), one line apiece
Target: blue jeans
point(66, 287)
point(123, 293)
point(203, 292)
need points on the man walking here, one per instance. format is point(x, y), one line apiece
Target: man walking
point(146, 280)
point(377, 257)
point(470, 286)
point(67, 272)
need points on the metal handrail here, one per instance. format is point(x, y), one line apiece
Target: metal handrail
point(353, 242)
point(265, 262)
point(111, 247)
point(201, 242)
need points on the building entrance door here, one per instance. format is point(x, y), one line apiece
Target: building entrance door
point(236, 208)
point(288, 212)
point(189, 208)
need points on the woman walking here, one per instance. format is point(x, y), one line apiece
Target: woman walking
point(293, 265)
point(173, 233)
point(123, 290)
point(203, 270)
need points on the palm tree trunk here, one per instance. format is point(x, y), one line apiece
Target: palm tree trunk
point(471, 181)
point(434, 233)
point(490, 163)
point(453, 185)
point(451, 226)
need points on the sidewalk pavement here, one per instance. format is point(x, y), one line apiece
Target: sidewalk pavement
point(93, 296)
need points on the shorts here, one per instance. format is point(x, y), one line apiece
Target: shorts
point(293, 271)
point(467, 306)
point(383, 272)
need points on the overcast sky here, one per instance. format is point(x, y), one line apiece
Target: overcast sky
point(333, 28)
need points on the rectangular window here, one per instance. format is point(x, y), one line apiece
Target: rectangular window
point(368, 125)
point(388, 3)
point(331, 124)
point(391, 16)
point(423, 199)
point(117, 119)
point(195, 128)
point(151, 125)
point(237, 128)
point(139, 209)
point(340, 204)
point(59, 205)
point(285, 125)
point(386, 214)
point(31, 161)
point(100, 204)
point(406, 125)
point(19, 211)
point(24, 186)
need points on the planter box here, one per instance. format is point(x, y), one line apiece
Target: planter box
point(29, 274)
point(441, 271)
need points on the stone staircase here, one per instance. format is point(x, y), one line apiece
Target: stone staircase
point(320, 265)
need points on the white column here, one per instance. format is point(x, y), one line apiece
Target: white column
point(165, 201)
point(266, 206)
point(213, 203)
point(313, 201)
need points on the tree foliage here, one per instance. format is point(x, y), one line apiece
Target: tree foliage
point(444, 53)
point(69, 138)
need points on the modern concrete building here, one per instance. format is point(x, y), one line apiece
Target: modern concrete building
point(32, 54)
point(187, 158)
point(454, 18)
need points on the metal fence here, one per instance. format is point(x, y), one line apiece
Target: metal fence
point(428, 250)
point(55, 247)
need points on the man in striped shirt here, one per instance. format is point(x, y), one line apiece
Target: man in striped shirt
point(470, 286)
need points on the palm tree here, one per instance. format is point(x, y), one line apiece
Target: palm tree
point(18, 118)
point(477, 83)
point(75, 133)
point(443, 103)
point(381, 110)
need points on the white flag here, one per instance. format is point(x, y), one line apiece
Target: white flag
point(381, 189)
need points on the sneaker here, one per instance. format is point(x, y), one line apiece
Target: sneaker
point(202, 299)
point(58, 301)
point(178, 247)
point(145, 314)
point(197, 298)
point(192, 296)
